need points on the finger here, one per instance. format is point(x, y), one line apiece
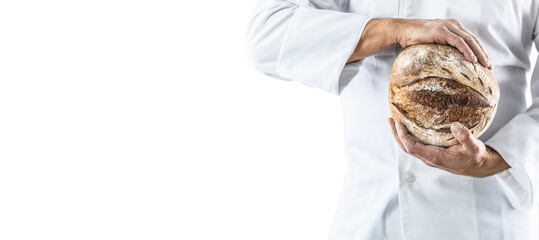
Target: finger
point(411, 146)
point(394, 131)
point(430, 155)
point(457, 41)
point(476, 39)
point(472, 43)
point(463, 135)
point(429, 163)
point(478, 42)
point(491, 66)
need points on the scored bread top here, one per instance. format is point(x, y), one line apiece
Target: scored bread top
point(433, 86)
point(433, 60)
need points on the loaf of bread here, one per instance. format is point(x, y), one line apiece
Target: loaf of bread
point(433, 86)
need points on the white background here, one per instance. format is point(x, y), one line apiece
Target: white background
point(143, 120)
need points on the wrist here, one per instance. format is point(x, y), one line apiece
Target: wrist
point(499, 164)
point(379, 34)
point(397, 31)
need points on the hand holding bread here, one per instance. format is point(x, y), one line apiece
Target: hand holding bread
point(470, 157)
point(440, 104)
point(383, 33)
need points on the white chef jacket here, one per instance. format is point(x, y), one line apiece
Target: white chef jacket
point(388, 194)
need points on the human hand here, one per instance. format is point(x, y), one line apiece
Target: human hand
point(443, 31)
point(470, 157)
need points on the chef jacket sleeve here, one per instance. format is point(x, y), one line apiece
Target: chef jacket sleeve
point(518, 143)
point(307, 41)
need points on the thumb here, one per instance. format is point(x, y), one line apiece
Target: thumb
point(462, 134)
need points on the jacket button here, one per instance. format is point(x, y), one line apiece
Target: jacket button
point(409, 177)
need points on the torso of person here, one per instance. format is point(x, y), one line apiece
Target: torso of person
point(389, 194)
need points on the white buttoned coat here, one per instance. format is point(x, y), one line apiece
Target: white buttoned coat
point(388, 194)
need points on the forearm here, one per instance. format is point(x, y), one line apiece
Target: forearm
point(379, 35)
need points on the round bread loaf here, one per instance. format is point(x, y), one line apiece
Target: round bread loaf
point(433, 86)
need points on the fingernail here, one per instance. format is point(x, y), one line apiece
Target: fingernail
point(474, 58)
point(456, 127)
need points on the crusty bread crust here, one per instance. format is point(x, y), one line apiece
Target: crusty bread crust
point(434, 85)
